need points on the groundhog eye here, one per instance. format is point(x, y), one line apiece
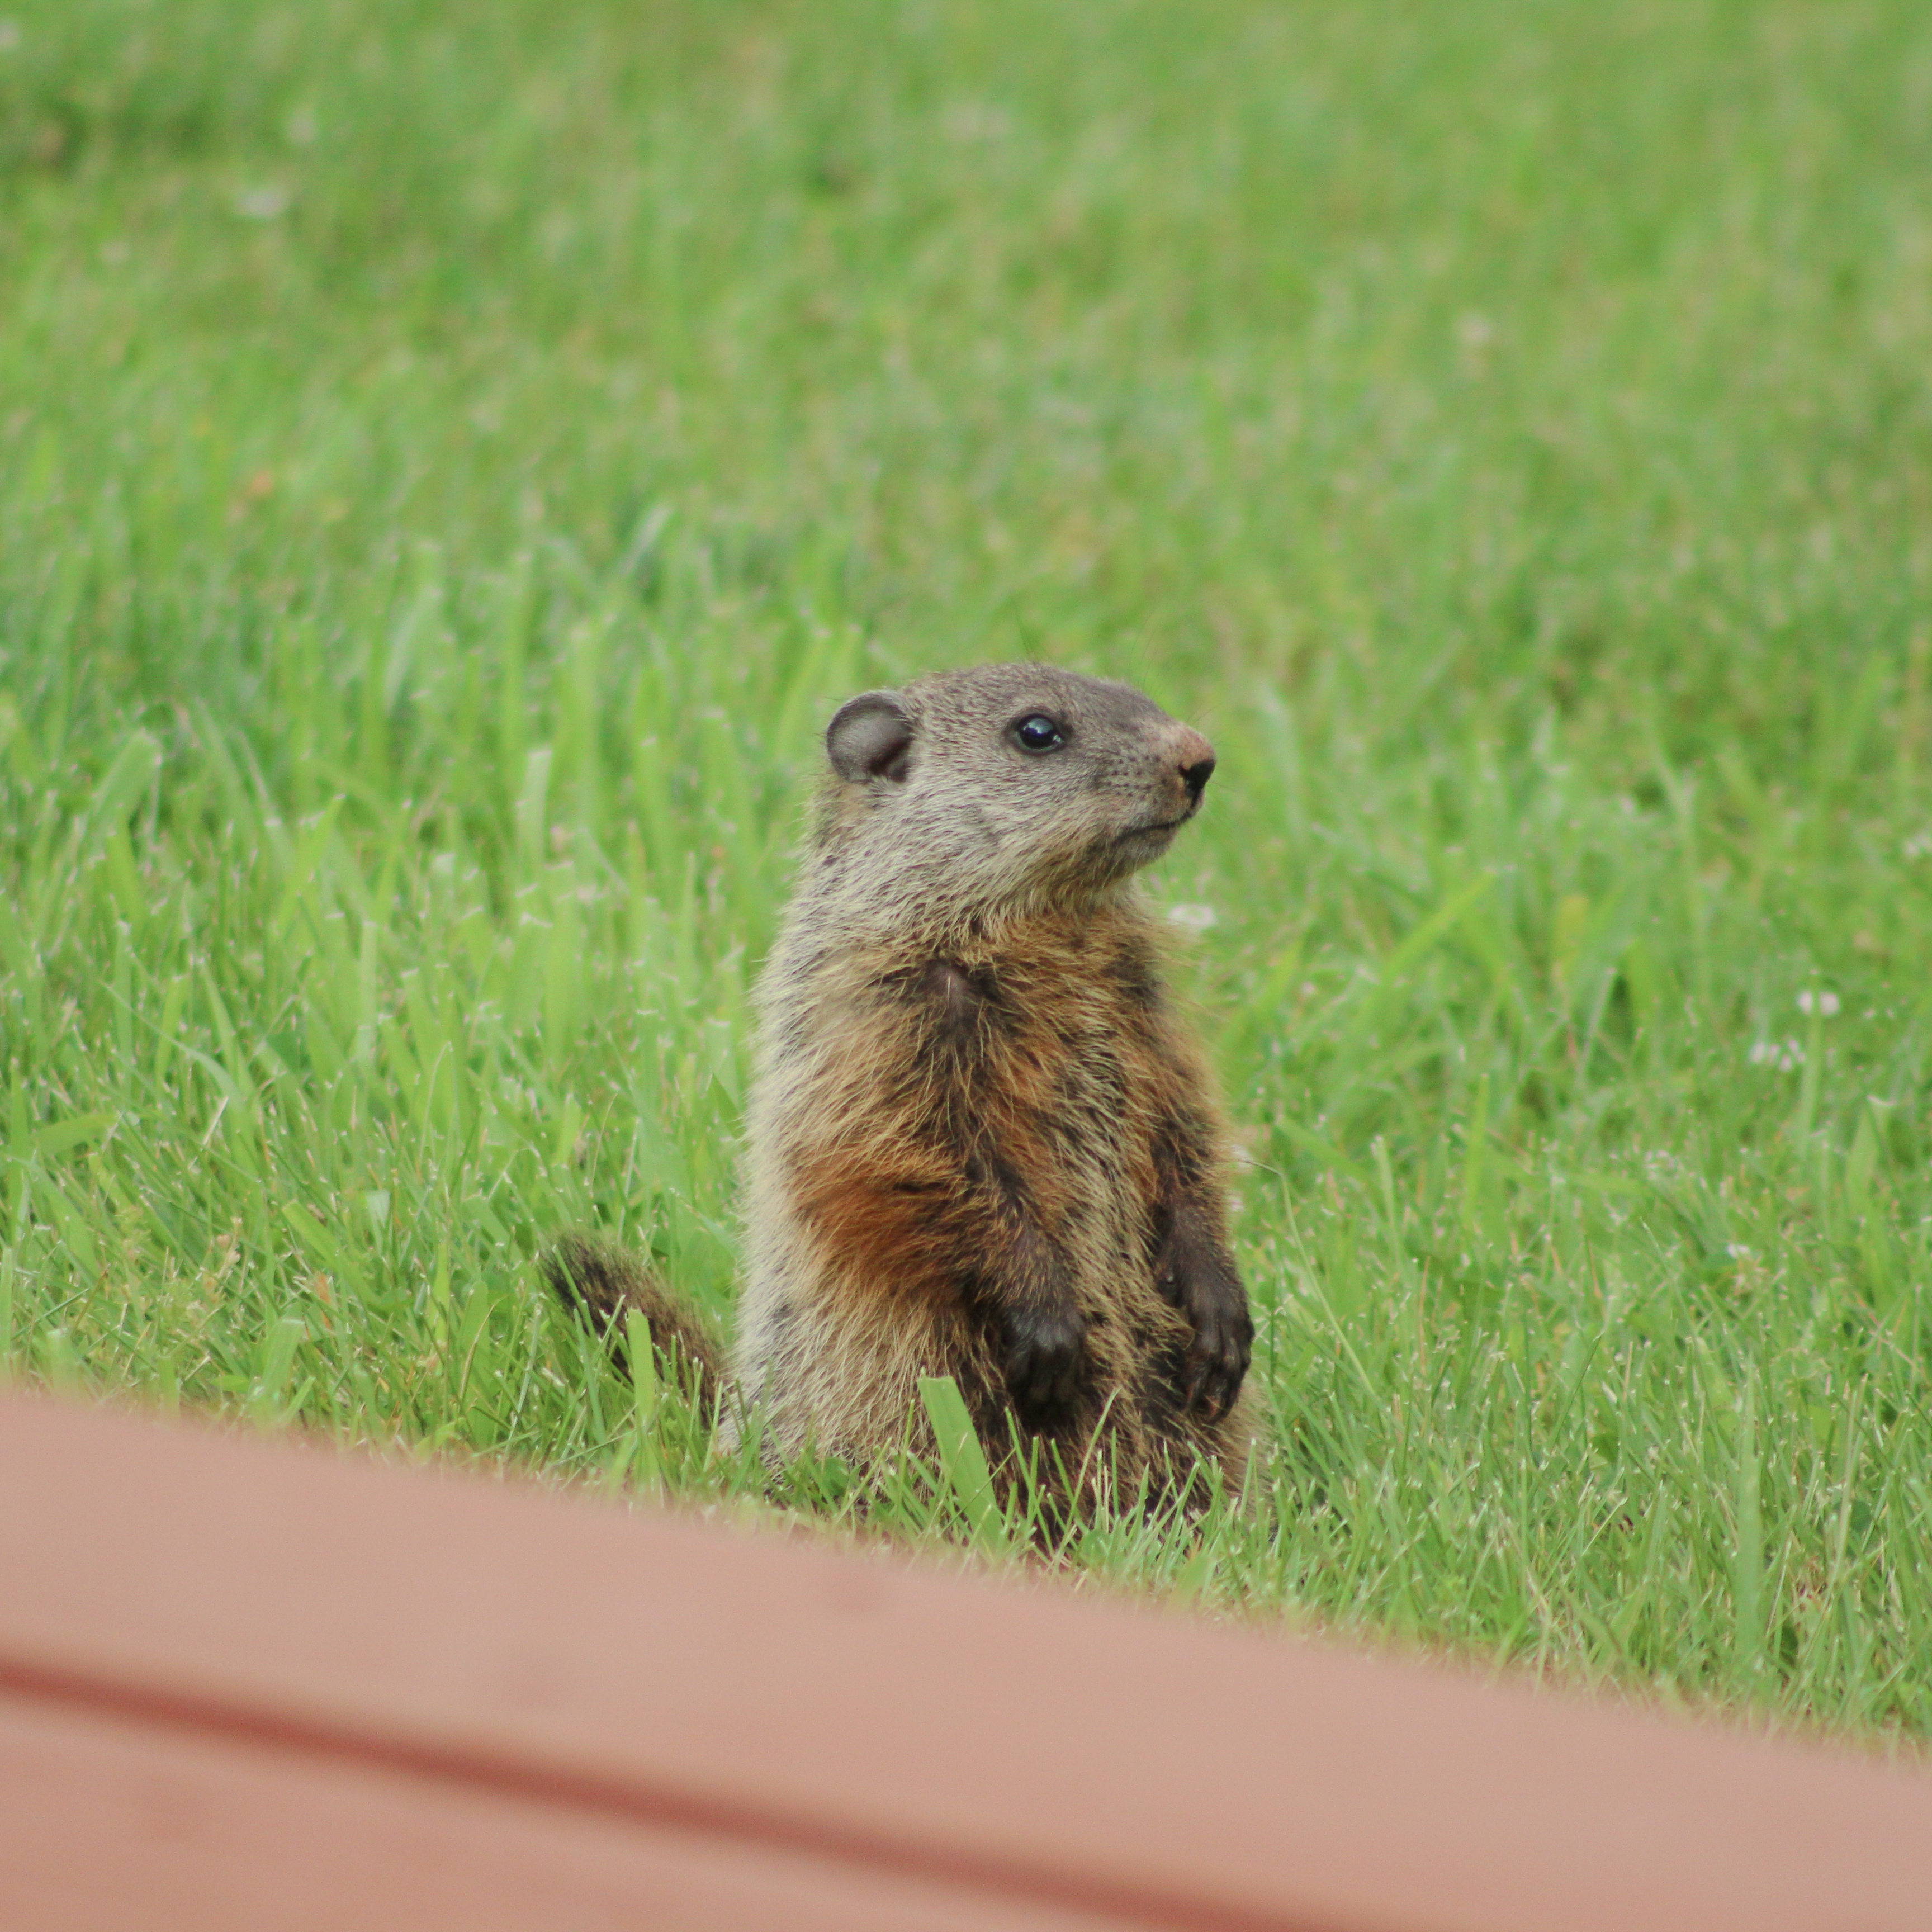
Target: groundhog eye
point(1039, 733)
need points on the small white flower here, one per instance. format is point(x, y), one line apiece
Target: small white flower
point(1823, 1004)
point(262, 204)
point(1784, 1055)
point(1191, 918)
point(1737, 1251)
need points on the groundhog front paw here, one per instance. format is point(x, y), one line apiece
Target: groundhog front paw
point(1194, 1271)
point(1043, 1360)
point(1216, 1361)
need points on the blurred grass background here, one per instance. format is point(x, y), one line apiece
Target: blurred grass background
point(453, 456)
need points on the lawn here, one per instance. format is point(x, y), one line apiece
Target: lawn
point(454, 454)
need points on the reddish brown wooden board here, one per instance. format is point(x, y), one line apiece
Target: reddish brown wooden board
point(245, 1684)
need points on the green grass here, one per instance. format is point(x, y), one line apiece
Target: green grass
point(453, 455)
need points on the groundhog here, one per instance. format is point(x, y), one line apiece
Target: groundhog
point(981, 1142)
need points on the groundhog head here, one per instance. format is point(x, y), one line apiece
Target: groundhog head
point(1006, 783)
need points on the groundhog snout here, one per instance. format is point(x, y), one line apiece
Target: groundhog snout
point(1194, 758)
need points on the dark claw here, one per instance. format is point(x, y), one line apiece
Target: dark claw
point(1197, 1375)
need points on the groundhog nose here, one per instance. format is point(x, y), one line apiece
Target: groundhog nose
point(1197, 764)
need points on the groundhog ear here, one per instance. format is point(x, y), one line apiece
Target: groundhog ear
point(869, 737)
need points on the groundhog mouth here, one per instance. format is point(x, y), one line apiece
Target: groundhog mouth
point(1149, 831)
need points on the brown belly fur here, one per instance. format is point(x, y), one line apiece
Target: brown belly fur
point(1044, 1057)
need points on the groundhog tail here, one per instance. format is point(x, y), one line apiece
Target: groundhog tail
point(602, 1284)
